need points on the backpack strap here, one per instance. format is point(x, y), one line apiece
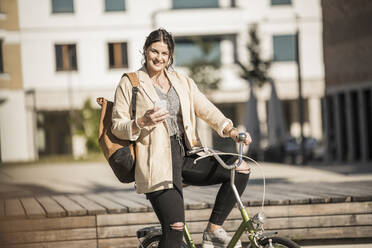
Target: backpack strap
point(133, 78)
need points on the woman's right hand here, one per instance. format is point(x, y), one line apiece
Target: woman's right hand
point(152, 117)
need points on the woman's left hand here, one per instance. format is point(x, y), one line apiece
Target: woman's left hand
point(234, 135)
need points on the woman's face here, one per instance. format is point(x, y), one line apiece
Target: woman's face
point(157, 57)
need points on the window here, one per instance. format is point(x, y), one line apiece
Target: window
point(118, 55)
point(189, 50)
point(284, 47)
point(114, 5)
point(66, 57)
point(191, 4)
point(1, 57)
point(63, 6)
point(281, 2)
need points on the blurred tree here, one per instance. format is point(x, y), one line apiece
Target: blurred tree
point(204, 71)
point(86, 123)
point(256, 72)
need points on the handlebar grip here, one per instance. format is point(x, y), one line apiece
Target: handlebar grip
point(194, 151)
point(242, 137)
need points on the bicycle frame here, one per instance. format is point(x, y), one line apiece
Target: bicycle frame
point(187, 236)
point(246, 225)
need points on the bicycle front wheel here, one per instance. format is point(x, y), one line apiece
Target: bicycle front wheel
point(277, 242)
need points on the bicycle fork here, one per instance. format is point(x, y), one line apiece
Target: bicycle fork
point(246, 225)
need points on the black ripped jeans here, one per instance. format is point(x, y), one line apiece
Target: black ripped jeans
point(168, 204)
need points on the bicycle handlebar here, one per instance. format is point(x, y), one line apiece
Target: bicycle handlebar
point(241, 138)
point(196, 150)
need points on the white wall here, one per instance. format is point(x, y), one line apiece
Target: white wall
point(38, 58)
point(91, 28)
point(13, 127)
point(88, 14)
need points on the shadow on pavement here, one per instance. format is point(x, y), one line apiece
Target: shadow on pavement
point(344, 169)
point(259, 181)
point(12, 190)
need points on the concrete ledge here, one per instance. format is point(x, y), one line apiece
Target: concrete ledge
point(109, 227)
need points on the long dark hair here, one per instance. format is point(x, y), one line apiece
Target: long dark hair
point(163, 36)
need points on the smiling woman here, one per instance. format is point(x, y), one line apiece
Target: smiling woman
point(158, 54)
point(162, 134)
point(157, 58)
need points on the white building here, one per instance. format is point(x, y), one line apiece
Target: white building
point(71, 50)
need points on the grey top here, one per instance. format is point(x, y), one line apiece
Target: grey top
point(174, 120)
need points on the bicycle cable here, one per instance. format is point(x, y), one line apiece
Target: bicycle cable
point(252, 160)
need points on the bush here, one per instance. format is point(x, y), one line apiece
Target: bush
point(86, 124)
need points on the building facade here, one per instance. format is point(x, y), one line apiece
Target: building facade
point(73, 50)
point(16, 114)
point(348, 76)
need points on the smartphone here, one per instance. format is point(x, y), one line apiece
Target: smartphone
point(162, 104)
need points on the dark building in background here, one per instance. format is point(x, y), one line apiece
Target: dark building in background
point(347, 43)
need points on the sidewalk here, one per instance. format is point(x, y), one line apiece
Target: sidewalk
point(72, 204)
point(96, 177)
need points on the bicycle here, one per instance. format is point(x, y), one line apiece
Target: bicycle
point(149, 237)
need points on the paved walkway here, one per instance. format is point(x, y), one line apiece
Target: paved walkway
point(96, 177)
point(91, 189)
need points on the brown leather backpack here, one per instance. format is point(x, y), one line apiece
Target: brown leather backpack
point(120, 154)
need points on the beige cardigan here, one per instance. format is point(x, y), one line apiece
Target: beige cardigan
point(154, 159)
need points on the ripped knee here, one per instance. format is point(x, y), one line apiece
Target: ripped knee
point(178, 226)
point(243, 168)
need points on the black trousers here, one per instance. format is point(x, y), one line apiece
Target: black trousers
point(168, 204)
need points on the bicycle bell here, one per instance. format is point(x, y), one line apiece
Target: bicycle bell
point(259, 218)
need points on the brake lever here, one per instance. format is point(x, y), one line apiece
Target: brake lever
point(197, 150)
point(202, 157)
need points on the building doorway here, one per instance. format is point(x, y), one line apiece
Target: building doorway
point(53, 133)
